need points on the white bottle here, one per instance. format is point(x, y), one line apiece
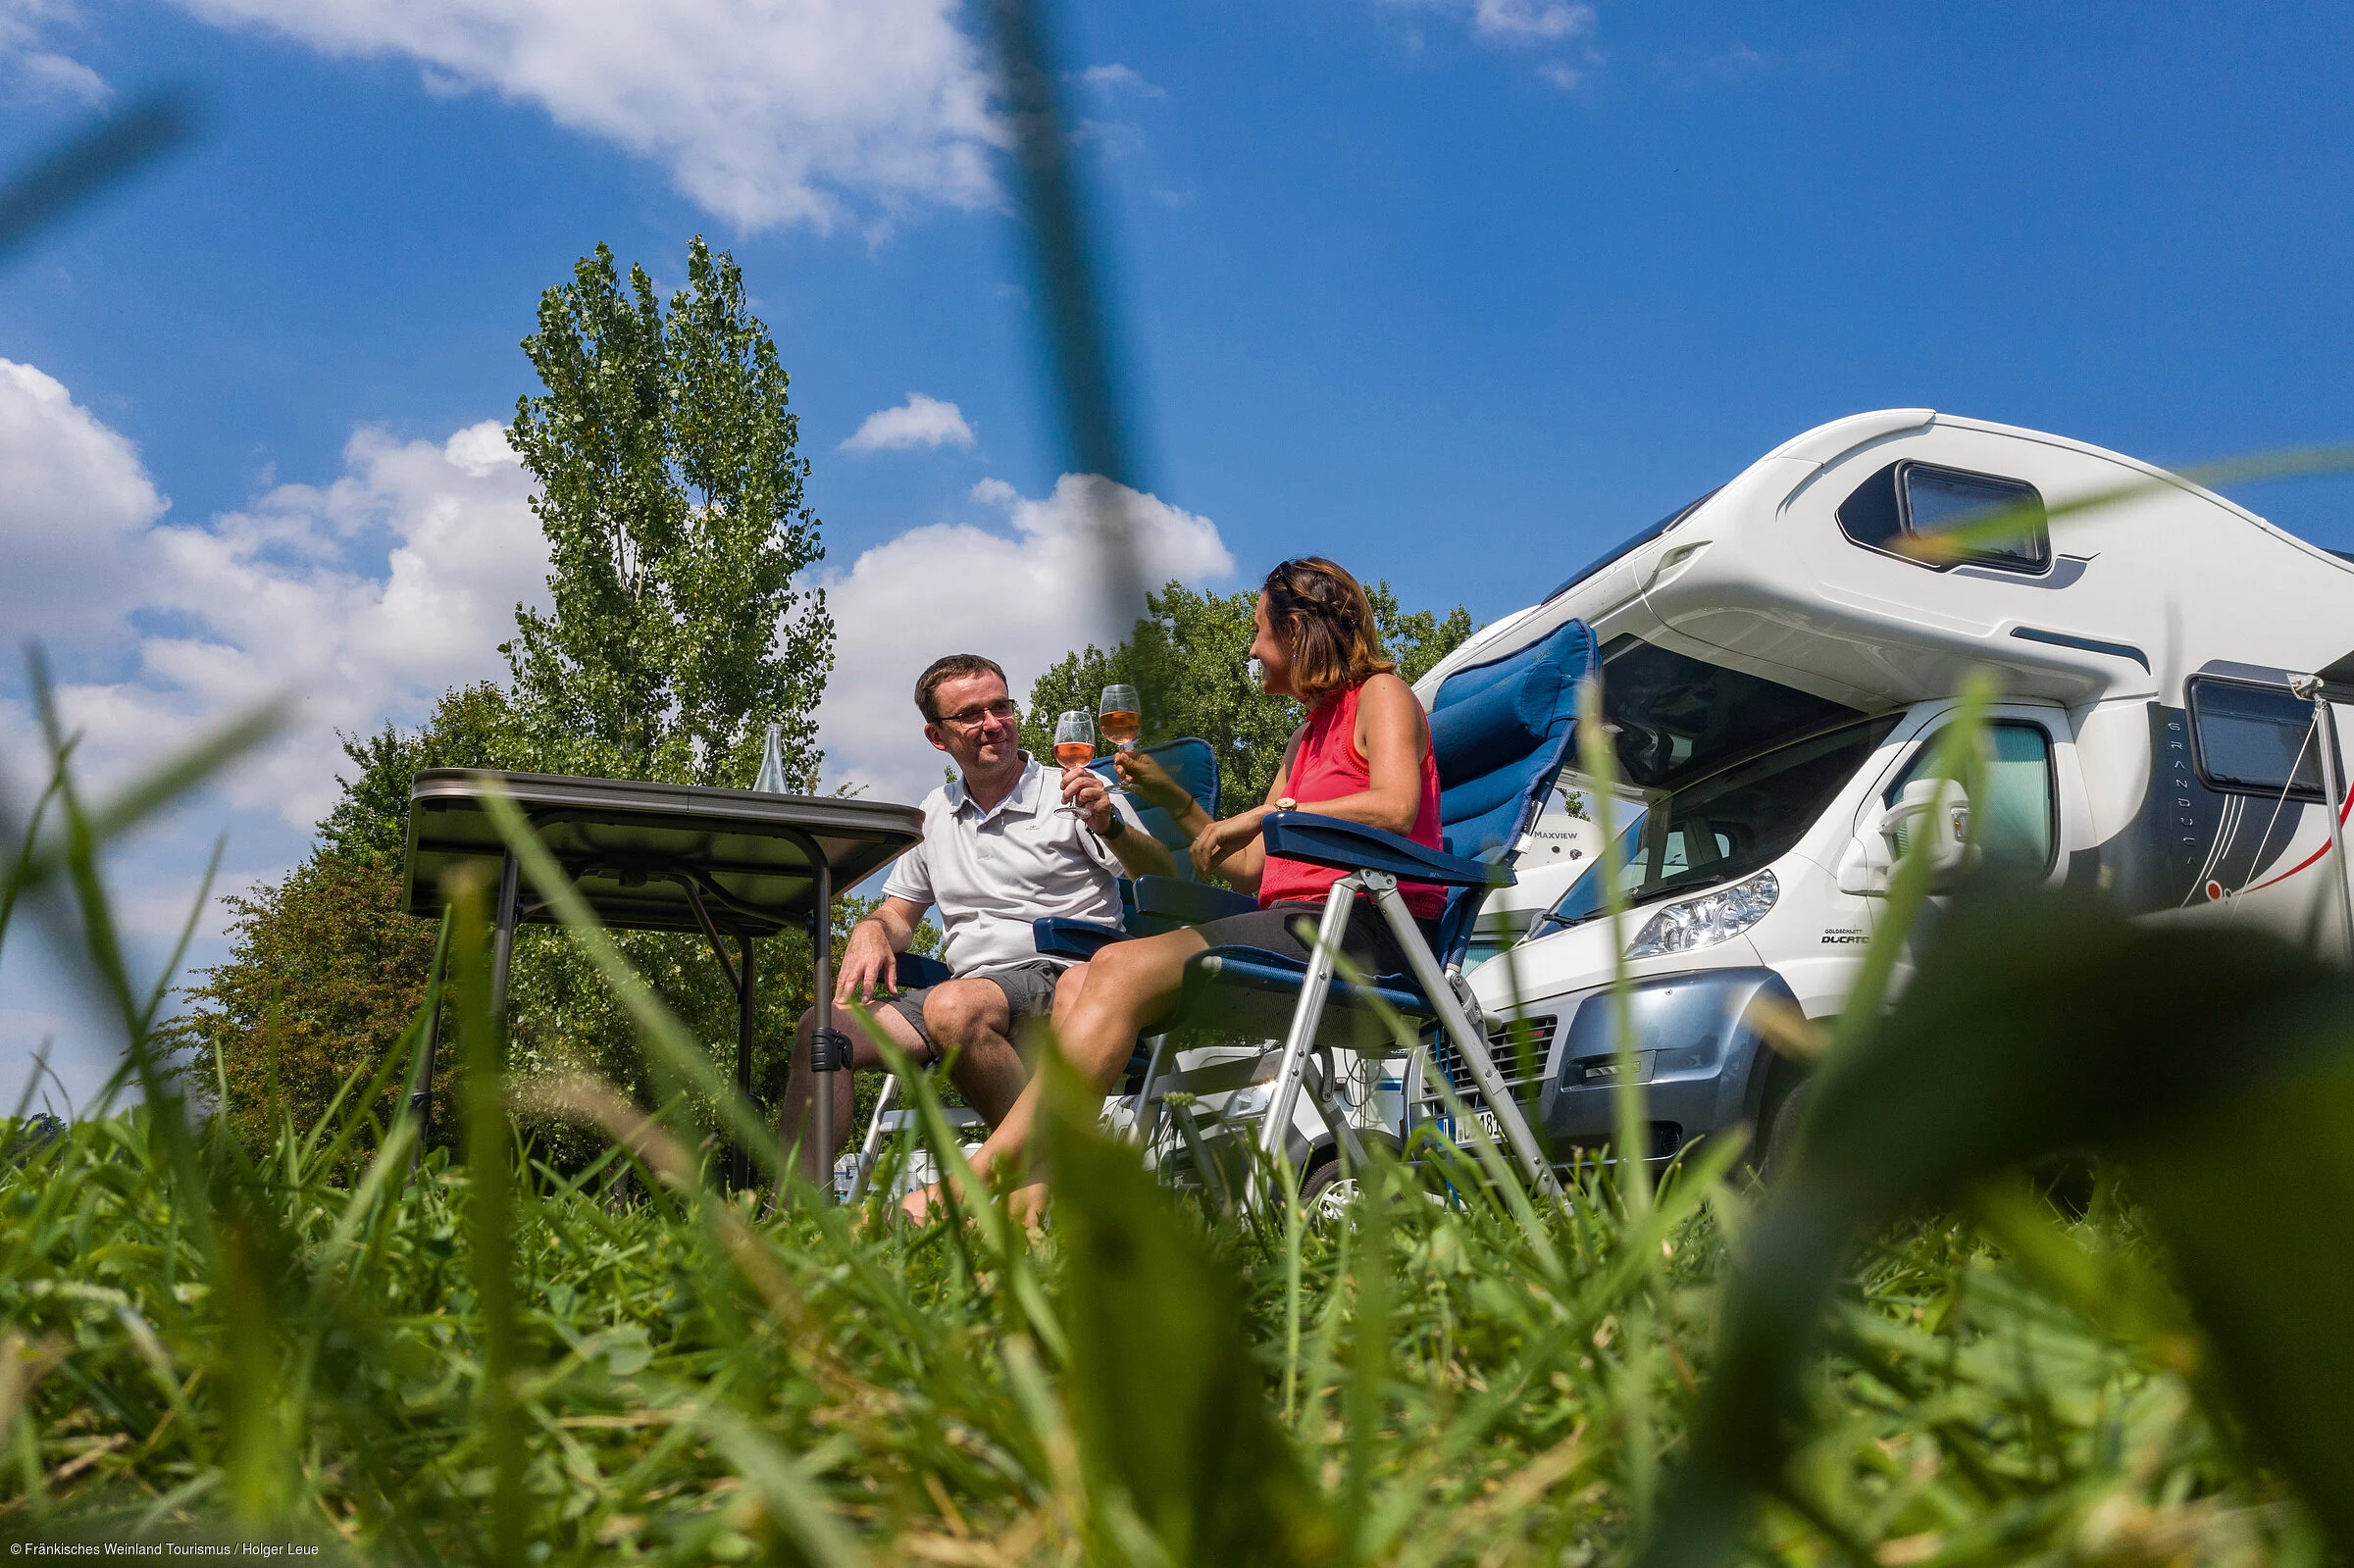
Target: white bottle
point(772, 763)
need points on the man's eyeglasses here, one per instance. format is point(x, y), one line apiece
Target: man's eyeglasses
point(1004, 709)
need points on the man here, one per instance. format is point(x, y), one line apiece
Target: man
point(998, 853)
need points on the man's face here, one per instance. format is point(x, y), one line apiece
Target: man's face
point(980, 742)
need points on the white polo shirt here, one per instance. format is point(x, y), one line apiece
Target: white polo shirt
point(991, 873)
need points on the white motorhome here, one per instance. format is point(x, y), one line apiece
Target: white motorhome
point(1776, 664)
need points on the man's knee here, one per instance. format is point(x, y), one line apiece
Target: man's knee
point(961, 1011)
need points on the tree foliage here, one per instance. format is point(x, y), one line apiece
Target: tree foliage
point(669, 486)
point(1190, 656)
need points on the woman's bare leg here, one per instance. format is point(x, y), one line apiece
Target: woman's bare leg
point(1128, 987)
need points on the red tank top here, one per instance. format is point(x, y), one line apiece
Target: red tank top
point(1327, 767)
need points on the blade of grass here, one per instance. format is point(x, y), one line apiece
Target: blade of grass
point(489, 1215)
point(1597, 758)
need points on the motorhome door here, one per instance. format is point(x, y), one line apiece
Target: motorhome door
point(2028, 813)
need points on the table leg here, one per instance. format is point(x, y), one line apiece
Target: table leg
point(421, 1092)
point(821, 1039)
point(746, 997)
point(502, 941)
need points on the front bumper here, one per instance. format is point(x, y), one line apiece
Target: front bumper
point(1699, 1055)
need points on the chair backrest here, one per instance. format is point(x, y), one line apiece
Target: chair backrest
point(1192, 763)
point(1500, 731)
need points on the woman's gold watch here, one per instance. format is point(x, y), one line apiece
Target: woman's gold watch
point(1287, 803)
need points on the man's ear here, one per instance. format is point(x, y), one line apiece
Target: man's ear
point(931, 733)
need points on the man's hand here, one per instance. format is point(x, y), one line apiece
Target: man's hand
point(1222, 839)
point(868, 967)
point(1084, 793)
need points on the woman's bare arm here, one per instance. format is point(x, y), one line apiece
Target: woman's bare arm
point(1392, 735)
point(1232, 850)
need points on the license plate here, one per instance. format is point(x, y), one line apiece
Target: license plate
point(1487, 1119)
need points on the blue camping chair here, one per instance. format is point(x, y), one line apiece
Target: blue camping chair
point(1500, 733)
point(1177, 900)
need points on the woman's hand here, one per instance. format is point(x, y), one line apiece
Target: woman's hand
point(1151, 782)
point(1222, 839)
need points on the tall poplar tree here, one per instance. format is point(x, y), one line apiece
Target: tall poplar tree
point(669, 486)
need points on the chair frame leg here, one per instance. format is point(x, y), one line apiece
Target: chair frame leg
point(871, 1147)
point(1458, 1024)
point(1316, 1073)
point(1145, 1119)
point(1306, 1015)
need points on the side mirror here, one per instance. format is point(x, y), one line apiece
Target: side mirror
point(1932, 814)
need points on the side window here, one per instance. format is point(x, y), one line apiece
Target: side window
point(1921, 500)
point(2256, 741)
point(2014, 815)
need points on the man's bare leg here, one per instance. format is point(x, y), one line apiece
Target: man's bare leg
point(974, 1028)
point(792, 1116)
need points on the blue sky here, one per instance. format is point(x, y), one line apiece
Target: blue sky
point(1457, 290)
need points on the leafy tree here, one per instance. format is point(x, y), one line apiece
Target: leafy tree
point(470, 727)
point(325, 967)
point(1189, 655)
point(669, 486)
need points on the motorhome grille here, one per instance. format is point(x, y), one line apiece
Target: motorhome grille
point(1508, 1053)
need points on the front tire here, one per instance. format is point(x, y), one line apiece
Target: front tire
point(1783, 1124)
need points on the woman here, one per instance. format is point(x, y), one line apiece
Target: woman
point(1363, 755)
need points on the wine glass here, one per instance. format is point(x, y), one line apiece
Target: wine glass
point(1074, 746)
point(1121, 716)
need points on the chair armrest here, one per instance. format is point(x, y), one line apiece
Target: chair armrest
point(1061, 936)
point(1174, 901)
point(1353, 846)
point(915, 971)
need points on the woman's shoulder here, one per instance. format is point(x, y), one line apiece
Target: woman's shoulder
point(1387, 693)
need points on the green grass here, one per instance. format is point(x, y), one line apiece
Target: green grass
point(1898, 1355)
point(679, 1401)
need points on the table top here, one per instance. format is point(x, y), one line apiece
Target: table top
point(635, 848)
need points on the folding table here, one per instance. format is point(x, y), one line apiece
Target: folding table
point(665, 857)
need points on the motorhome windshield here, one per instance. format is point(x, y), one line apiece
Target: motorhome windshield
point(1722, 827)
point(1679, 718)
point(1730, 769)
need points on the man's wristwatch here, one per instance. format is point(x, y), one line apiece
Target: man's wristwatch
point(1116, 828)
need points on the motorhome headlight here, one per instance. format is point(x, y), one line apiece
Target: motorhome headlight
point(1705, 920)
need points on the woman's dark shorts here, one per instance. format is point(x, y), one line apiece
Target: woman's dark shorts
point(1028, 994)
point(1369, 944)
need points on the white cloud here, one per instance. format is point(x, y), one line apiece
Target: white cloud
point(1531, 21)
point(1116, 78)
point(363, 599)
point(919, 422)
point(766, 112)
point(1023, 599)
point(1528, 23)
point(36, 70)
point(74, 497)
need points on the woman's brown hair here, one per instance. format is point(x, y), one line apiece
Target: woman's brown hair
point(1335, 643)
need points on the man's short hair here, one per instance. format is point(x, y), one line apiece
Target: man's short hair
point(949, 669)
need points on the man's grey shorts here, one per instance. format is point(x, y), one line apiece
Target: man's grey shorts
point(1028, 994)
